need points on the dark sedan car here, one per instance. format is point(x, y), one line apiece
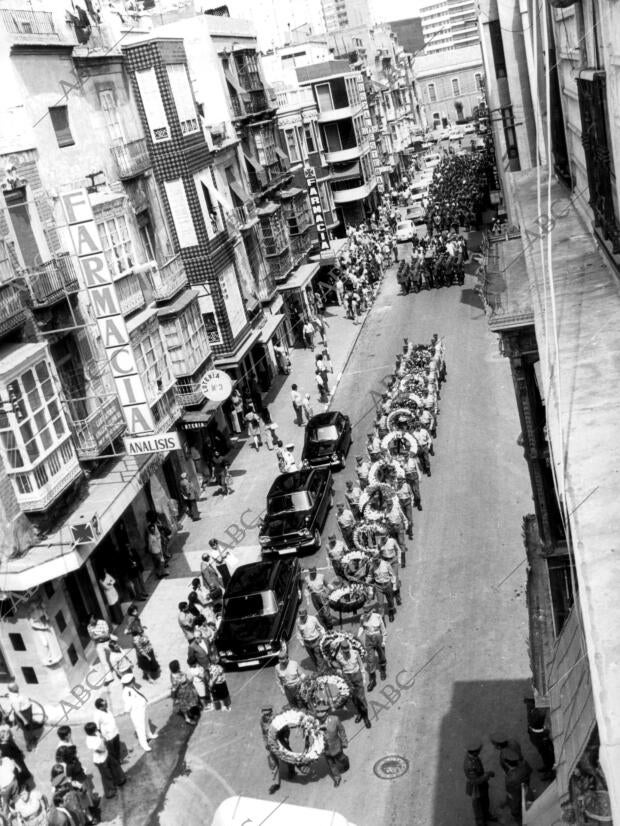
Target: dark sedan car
point(260, 606)
point(297, 507)
point(327, 440)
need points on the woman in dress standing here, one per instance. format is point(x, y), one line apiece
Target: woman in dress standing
point(108, 586)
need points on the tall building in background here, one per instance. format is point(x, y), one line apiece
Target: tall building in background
point(338, 14)
point(409, 33)
point(449, 24)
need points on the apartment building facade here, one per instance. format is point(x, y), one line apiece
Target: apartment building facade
point(552, 81)
point(448, 25)
point(450, 85)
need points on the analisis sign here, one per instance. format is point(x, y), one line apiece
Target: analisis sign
point(159, 443)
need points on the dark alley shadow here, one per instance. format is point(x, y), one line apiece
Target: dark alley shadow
point(477, 710)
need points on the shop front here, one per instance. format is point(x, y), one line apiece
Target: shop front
point(298, 296)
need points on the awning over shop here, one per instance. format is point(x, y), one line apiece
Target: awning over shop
point(338, 247)
point(108, 497)
point(571, 702)
point(300, 278)
point(285, 194)
point(545, 810)
point(239, 354)
point(197, 419)
point(271, 325)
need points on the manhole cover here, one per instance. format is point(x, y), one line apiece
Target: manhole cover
point(391, 767)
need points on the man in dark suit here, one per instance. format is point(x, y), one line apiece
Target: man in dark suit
point(477, 785)
point(201, 648)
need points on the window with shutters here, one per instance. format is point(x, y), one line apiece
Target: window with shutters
point(291, 145)
point(59, 115)
point(456, 86)
point(432, 93)
point(153, 366)
point(183, 98)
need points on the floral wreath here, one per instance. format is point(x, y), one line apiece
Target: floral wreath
point(349, 598)
point(331, 642)
point(311, 728)
point(400, 413)
point(365, 535)
point(373, 509)
point(355, 565)
point(325, 690)
point(402, 435)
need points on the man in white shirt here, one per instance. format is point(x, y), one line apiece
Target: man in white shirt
point(346, 523)
point(310, 632)
point(108, 729)
point(289, 676)
point(21, 710)
point(112, 776)
point(372, 635)
point(225, 561)
point(136, 705)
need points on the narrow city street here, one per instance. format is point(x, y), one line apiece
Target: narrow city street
point(457, 653)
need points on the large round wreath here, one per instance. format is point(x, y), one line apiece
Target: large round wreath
point(366, 536)
point(377, 501)
point(310, 727)
point(331, 642)
point(355, 565)
point(396, 436)
point(349, 598)
point(400, 413)
point(384, 472)
point(325, 690)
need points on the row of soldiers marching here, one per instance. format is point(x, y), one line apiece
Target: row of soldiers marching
point(375, 523)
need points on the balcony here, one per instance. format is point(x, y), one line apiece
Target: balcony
point(12, 309)
point(338, 114)
point(30, 28)
point(242, 217)
point(52, 281)
point(295, 98)
point(129, 292)
point(343, 155)
point(187, 391)
point(166, 411)
point(131, 158)
point(281, 266)
point(92, 435)
point(169, 278)
point(250, 79)
point(37, 489)
point(300, 246)
point(356, 193)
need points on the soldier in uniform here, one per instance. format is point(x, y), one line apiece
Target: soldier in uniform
point(335, 550)
point(477, 785)
point(540, 738)
point(372, 636)
point(350, 665)
point(518, 774)
point(346, 523)
point(266, 716)
point(502, 743)
point(319, 597)
point(352, 495)
point(362, 468)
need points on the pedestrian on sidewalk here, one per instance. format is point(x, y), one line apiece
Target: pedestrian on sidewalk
point(225, 561)
point(336, 741)
point(134, 622)
point(155, 549)
point(226, 487)
point(106, 724)
point(186, 620)
point(308, 334)
point(289, 459)
point(99, 632)
point(82, 805)
point(185, 700)
point(327, 361)
point(134, 569)
point(297, 404)
point(219, 687)
point(339, 285)
point(145, 656)
point(477, 785)
point(202, 648)
point(321, 367)
point(9, 748)
point(282, 359)
point(30, 807)
point(9, 787)
point(350, 665)
point(307, 407)
point(112, 775)
point(21, 713)
point(66, 753)
point(320, 326)
point(271, 438)
point(323, 392)
point(108, 586)
point(346, 523)
point(518, 773)
point(120, 661)
point(212, 579)
point(310, 632)
point(136, 705)
point(236, 414)
point(253, 423)
point(199, 676)
point(188, 498)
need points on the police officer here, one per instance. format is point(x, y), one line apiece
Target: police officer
point(381, 576)
point(518, 773)
point(502, 743)
point(372, 636)
point(540, 738)
point(350, 664)
point(405, 500)
point(346, 523)
point(391, 552)
point(310, 632)
point(477, 784)
point(319, 597)
point(266, 716)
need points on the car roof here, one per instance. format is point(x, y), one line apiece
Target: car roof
point(290, 482)
point(322, 419)
point(254, 577)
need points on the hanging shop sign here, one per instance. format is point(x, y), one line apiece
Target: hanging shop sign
point(96, 279)
point(317, 209)
point(158, 443)
point(216, 385)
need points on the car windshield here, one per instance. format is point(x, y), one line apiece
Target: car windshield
point(251, 605)
point(285, 502)
point(404, 225)
point(327, 433)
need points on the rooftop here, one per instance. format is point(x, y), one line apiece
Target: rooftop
point(318, 70)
